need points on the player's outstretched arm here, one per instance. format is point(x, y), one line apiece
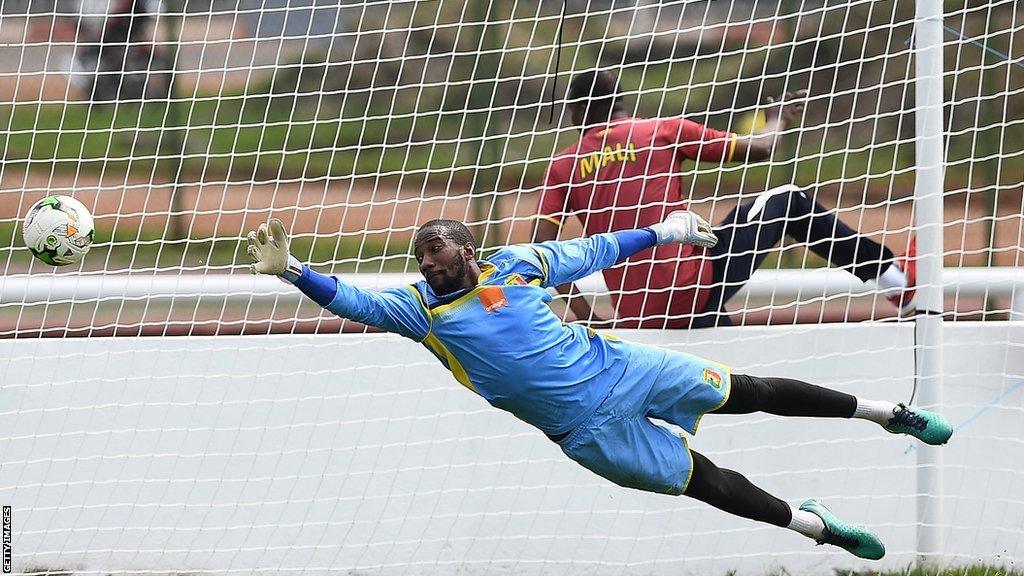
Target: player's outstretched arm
point(779, 114)
point(544, 231)
point(268, 248)
point(685, 227)
point(568, 261)
point(396, 310)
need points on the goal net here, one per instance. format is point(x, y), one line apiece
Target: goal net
point(165, 411)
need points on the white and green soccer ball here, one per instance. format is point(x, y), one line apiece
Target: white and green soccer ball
point(58, 230)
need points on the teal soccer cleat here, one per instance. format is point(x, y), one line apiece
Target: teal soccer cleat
point(854, 539)
point(927, 426)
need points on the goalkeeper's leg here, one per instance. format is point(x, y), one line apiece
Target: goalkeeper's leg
point(788, 397)
point(731, 492)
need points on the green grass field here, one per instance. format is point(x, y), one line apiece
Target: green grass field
point(979, 570)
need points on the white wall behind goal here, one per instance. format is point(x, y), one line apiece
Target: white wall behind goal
point(359, 454)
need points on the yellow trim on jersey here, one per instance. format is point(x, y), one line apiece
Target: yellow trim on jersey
point(458, 301)
point(486, 270)
point(551, 219)
point(426, 311)
point(543, 264)
point(732, 148)
point(435, 344)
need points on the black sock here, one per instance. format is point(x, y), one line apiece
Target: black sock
point(731, 492)
point(786, 397)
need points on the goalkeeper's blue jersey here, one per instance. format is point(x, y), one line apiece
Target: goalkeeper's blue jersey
point(501, 340)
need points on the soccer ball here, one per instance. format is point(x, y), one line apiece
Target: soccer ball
point(58, 230)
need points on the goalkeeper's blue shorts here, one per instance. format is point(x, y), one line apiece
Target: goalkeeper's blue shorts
point(619, 441)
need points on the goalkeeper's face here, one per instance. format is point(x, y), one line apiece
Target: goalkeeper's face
point(447, 267)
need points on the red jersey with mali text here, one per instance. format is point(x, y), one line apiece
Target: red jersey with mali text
point(628, 174)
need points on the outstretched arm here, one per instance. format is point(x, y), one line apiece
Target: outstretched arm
point(544, 231)
point(396, 310)
point(779, 115)
point(565, 262)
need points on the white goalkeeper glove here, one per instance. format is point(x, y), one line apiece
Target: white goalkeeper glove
point(685, 227)
point(268, 249)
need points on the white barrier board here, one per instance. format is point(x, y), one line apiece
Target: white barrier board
point(360, 454)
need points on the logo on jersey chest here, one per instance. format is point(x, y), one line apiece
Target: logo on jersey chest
point(492, 298)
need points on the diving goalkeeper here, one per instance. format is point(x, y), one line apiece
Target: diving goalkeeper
point(488, 322)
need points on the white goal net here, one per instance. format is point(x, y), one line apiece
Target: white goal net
point(163, 411)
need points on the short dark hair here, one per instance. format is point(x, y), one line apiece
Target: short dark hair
point(451, 229)
point(600, 91)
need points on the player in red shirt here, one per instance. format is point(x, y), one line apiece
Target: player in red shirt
point(626, 173)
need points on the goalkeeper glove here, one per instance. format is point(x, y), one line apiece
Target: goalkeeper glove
point(268, 249)
point(685, 227)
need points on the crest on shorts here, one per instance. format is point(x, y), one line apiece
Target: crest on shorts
point(711, 377)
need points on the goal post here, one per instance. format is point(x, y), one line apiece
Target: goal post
point(929, 218)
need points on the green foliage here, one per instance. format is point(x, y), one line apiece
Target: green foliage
point(435, 89)
point(233, 137)
point(237, 139)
